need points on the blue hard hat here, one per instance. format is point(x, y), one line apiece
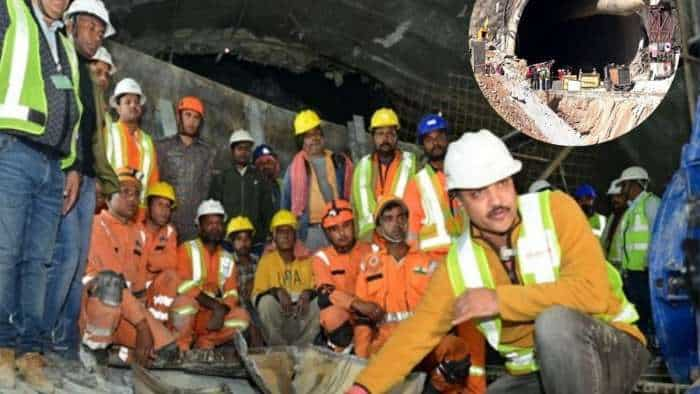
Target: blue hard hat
point(585, 190)
point(430, 123)
point(263, 150)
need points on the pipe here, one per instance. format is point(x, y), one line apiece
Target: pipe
point(556, 162)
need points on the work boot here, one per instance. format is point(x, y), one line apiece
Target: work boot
point(31, 368)
point(7, 368)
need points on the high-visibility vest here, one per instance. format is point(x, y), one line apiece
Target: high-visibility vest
point(23, 104)
point(117, 154)
point(196, 251)
point(363, 198)
point(597, 222)
point(440, 225)
point(633, 235)
point(538, 258)
point(604, 238)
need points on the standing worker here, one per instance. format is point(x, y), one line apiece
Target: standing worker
point(126, 144)
point(386, 171)
point(632, 238)
point(87, 22)
point(585, 196)
point(314, 178)
point(618, 204)
point(533, 276)
point(186, 161)
point(243, 190)
point(40, 110)
point(267, 162)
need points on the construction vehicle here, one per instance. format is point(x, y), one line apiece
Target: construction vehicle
point(618, 77)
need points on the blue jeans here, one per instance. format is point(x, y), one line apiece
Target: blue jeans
point(31, 197)
point(64, 288)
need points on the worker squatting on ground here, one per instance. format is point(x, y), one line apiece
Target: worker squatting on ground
point(394, 279)
point(40, 111)
point(129, 281)
point(631, 241)
point(87, 22)
point(386, 171)
point(315, 177)
point(186, 161)
point(335, 272)
point(585, 196)
point(210, 276)
point(435, 217)
point(284, 288)
point(126, 144)
point(532, 274)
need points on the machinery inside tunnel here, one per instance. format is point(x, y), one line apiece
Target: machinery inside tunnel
point(586, 42)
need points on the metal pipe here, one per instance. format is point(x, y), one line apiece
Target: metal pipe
point(556, 162)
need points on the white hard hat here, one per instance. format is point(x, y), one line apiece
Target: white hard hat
point(614, 188)
point(477, 160)
point(240, 135)
point(539, 185)
point(102, 55)
point(92, 7)
point(634, 173)
point(210, 207)
point(127, 86)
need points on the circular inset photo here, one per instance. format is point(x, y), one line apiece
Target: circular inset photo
point(574, 72)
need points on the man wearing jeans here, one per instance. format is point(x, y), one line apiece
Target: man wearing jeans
point(87, 22)
point(40, 111)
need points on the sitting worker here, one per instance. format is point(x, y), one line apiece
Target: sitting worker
point(585, 196)
point(335, 272)
point(210, 276)
point(284, 288)
point(533, 276)
point(394, 279)
point(239, 233)
point(113, 306)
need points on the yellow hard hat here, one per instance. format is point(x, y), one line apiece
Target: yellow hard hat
point(305, 121)
point(239, 223)
point(384, 117)
point(283, 217)
point(162, 189)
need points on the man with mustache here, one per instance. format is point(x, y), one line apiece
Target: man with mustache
point(585, 196)
point(384, 172)
point(529, 271)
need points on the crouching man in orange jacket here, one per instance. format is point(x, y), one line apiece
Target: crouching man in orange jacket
point(395, 279)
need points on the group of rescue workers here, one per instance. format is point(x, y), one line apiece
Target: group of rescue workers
point(138, 249)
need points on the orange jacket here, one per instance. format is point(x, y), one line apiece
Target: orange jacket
point(214, 281)
point(159, 248)
point(339, 270)
point(396, 286)
point(133, 153)
point(582, 285)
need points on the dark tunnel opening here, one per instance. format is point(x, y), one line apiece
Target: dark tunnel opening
point(582, 43)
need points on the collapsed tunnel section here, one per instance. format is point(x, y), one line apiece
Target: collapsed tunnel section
point(578, 42)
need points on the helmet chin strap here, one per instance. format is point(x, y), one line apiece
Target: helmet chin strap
point(389, 238)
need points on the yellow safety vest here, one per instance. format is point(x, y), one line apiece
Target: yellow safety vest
point(196, 252)
point(440, 226)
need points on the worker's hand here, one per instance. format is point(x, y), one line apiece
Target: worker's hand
point(303, 303)
point(216, 322)
point(70, 190)
point(144, 344)
point(285, 301)
point(475, 304)
point(368, 309)
point(326, 289)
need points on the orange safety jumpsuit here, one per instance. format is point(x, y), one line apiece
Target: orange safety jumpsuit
point(216, 275)
point(398, 287)
point(114, 246)
point(340, 271)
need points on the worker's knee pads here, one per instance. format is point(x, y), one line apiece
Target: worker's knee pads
point(341, 336)
point(108, 288)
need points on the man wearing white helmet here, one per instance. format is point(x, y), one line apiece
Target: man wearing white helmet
point(243, 189)
point(532, 275)
point(102, 67)
point(618, 205)
point(127, 145)
point(632, 238)
point(87, 22)
point(539, 185)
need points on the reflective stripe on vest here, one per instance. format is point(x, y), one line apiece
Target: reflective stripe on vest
point(363, 198)
point(634, 232)
point(322, 255)
point(23, 104)
point(439, 224)
point(538, 258)
point(195, 250)
point(395, 317)
point(117, 154)
point(597, 222)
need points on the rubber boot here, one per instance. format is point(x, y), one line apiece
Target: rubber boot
point(7, 368)
point(31, 368)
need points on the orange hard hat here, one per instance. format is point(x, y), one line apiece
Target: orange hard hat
point(191, 103)
point(336, 212)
